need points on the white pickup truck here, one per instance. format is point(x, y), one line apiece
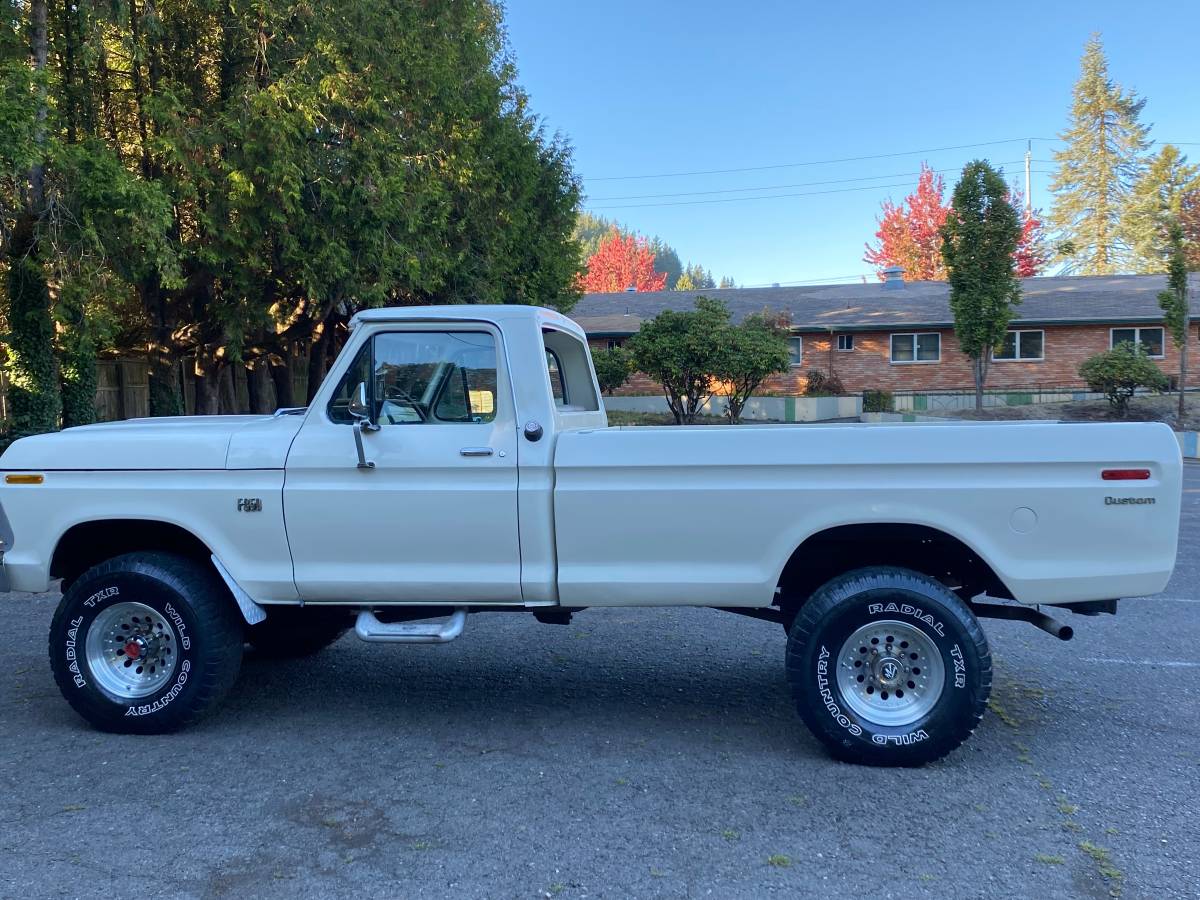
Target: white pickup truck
point(458, 459)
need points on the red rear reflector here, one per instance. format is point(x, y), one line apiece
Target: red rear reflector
point(1125, 474)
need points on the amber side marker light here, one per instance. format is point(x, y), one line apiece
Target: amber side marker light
point(24, 479)
point(1125, 474)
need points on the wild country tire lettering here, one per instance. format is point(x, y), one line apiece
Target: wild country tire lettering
point(184, 640)
point(161, 702)
point(827, 695)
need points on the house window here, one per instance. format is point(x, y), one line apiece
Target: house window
point(916, 348)
point(1021, 344)
point(795, 350)
point(845, 342)
point(1151, 339)
point(614, 343)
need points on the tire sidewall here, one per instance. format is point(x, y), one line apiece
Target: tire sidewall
point(84, 601)
point(813, 674)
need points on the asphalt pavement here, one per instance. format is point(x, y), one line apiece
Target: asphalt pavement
point(647, 753)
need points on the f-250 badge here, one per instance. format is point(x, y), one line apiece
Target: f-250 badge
point(250, 504)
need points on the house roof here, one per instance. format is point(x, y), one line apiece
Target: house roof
point(1071, 299)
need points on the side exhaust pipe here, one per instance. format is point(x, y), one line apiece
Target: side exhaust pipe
point(1024, 614)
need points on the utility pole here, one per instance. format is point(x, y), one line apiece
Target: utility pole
point(1028, 186)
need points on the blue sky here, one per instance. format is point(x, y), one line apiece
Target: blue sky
point(652, 88)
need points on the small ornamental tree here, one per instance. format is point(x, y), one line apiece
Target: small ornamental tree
point(1119, 372)
point(613, 368)
point(1174, 302)
point(619, 263)
point(979, 241)
point(680, 350)
point(748, 354)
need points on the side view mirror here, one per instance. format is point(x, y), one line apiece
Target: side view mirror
point(359, 408)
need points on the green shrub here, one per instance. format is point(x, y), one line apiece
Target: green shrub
point(877, 401)
point(613, 368)
point(820, 384)
point(1118, 372)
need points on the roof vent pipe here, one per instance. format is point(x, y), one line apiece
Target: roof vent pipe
point(893, 278)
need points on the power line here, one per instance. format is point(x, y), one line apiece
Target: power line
point(825, 162)
point(869, 187)
point(816, 162)
point(778, 187)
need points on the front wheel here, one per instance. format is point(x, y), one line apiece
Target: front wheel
point(888, 667)
point(145, 643)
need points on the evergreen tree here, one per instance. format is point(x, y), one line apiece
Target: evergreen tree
point(1155, 205)
point(1174, 303)
point(695, 278)
point(1097, 169)
point(727, 282)
point(979, 239)
point(666, 260)
point(34, 396)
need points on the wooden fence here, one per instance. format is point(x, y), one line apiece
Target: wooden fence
point(123, 388)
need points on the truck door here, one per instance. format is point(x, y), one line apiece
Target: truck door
point(435, 519)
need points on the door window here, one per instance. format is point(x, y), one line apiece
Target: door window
point(424, 377)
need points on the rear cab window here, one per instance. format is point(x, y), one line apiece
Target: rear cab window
point(569, 373)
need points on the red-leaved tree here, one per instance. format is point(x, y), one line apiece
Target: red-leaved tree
point(910, 235)
point(1032, 254)
point(620, 263)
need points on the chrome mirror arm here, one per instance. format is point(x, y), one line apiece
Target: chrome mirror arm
point(359, 428)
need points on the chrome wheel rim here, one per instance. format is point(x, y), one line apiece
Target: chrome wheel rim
point(890, 673)
point(131, 650)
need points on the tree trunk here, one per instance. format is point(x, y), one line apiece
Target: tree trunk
point(1183, 367)
point(33, 390)
point(258, 388)
point(40, 49)
point(980, 370)
point(318, 361)
point(281, 375)
point(78, 374)
point(227, 402)
point(208, 386)
point(166, 394)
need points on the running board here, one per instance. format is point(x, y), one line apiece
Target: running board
point(369, 628)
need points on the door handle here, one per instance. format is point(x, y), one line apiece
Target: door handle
point(476, 451)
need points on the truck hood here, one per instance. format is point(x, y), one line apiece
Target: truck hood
point(176, 442)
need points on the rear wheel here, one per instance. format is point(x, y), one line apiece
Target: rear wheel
point(888, 667)
point(145, 643)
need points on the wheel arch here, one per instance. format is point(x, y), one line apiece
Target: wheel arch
point(88, 543)
point(922, 548)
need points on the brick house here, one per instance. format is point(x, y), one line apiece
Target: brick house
point(899, 336)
